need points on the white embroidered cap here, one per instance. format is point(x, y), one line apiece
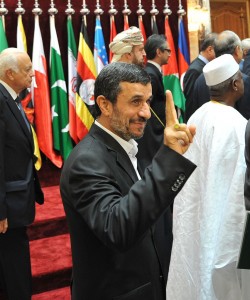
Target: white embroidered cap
point(220, 69)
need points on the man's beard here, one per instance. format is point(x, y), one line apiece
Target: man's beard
point(122, 130)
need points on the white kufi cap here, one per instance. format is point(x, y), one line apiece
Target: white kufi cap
point(124, 41)
point(220, 69)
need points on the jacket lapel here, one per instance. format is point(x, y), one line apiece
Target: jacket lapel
point(122, 157)
point(17, 114)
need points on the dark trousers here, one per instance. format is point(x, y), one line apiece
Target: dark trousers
point(15, 267)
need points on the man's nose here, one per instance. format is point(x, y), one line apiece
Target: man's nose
point(145, 111)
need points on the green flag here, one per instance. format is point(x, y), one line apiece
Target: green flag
point(3, 39)
point(171, 77)
point(59, 101)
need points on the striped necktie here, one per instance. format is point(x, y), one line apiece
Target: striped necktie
point(19, 105)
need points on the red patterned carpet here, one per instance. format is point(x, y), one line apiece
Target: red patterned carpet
point(50, 249)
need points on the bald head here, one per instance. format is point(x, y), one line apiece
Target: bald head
point(245, 46)
point(228, 42)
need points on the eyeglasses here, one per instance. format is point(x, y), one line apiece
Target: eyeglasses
point(167, 49)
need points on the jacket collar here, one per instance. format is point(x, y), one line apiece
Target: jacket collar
point(122, 157)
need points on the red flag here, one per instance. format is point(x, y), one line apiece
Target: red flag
point(126, 25)
point(171, 68)
point(113, 33)
point(171, 75)
point(41, 98)
point(141, 27)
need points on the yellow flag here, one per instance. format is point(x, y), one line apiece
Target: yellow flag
point(37, 153)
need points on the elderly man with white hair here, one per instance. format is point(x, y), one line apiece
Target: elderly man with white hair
point(209, 211)
point(128, 46)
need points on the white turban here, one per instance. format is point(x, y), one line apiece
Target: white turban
point(124, 41)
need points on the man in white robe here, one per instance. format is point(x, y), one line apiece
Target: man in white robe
point(209, 212)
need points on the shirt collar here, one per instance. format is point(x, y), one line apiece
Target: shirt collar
point(129, 146)
point(203, 58)
point(155, 64)
point(9, 89)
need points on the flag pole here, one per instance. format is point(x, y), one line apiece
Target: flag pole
point(21, 38)
point(141, 12)
point(126, 12)
point(167, 11)
point(37, 10)
point(69, 10)
point(19, 10)
point(154, 12)
point(181, 11)
point(112, 12)
point(84, 12)
point(3, 12)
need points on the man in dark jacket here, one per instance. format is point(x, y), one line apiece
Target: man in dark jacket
point(195, 69)
point(111, 212)
point(19, 185)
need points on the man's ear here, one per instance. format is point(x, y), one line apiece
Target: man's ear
point(105, 105)
point(235, 84)
point(9, 74)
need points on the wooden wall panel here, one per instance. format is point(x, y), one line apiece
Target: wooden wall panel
point(231, 15)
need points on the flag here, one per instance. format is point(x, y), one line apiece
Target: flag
point(20, 35)
point(126, 24)
point(86, 75)
point(59, 100)
point(113, 33)
point(154, 25)
point(41, 98)
point(100, 54)
point(183, 53)
point(3, 39)
point(72, 73)
point(25, 96)
point(171, 75)
point(141, 27)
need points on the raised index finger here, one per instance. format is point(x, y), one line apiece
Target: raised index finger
point(171, 116)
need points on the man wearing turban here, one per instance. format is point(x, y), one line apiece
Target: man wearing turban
point(128, 47)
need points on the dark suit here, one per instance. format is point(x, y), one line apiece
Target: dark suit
point(152, 139)
point(148, 146)
point(246, 64)
point(201, 95)
point(111, 218)
point(19, 187)
point(193, 72)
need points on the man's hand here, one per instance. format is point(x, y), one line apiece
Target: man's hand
point(3, 226)
point(176, 136)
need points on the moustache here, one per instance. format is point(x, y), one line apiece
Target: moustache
point(139, 120)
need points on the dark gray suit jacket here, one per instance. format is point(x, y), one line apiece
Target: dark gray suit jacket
point(19, 185)
point(152, 139)
point(111, 218)
point(193, 72)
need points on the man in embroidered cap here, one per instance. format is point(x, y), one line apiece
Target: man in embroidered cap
point(209, 211)
point(128, 47)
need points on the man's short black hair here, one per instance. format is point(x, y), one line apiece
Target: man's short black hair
point(108, 81)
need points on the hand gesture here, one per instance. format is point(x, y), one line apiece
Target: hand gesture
point(176, 136)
